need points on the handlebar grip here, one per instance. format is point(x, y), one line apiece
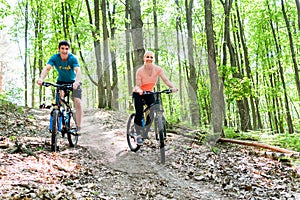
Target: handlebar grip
point(46, 84)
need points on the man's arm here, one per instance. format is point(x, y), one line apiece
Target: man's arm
point(78, 76)
point(44, 73)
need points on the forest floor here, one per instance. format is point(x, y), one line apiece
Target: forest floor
point(102, 167)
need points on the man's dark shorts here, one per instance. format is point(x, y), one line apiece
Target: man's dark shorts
point(76, 93)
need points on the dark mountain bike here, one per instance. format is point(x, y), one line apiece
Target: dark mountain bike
point(154, 112)
point(62, 119)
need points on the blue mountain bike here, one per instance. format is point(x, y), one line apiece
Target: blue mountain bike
point(62, 119)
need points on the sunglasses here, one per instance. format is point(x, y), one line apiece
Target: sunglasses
point(149, 57)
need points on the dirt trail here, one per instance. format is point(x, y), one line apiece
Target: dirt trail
point(141, 169)
point(102, 167)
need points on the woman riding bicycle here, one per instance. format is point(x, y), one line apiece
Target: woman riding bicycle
point(146, 78)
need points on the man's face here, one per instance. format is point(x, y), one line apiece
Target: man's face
point(63, 50)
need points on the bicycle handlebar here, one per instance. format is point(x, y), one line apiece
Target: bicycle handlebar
point(167, 91)
point(67, 86)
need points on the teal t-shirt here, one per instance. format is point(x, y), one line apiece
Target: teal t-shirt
point(65, 70)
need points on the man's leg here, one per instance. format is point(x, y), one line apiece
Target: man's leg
point(79, 111)
point(78, 106)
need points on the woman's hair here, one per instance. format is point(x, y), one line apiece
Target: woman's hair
point(148, 52)
point(64, 42)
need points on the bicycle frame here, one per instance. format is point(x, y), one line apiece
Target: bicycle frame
point(156, 115)
point(155, 109)
point(59, 101)
point(60, 120)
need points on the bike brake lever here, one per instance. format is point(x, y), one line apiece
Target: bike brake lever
point(168, 91)
point(45, 84)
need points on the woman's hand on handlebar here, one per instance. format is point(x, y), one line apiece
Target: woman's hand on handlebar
point(137, 89)
point(174, 89)
point(39, 82)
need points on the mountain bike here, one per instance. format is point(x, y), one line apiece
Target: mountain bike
point(151, 114)
point(62, 119)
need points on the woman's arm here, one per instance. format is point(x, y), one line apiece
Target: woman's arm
point(167, 82)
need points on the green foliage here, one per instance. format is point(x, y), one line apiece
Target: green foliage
point(289, 141)
point(12, 137)
point(216, 150)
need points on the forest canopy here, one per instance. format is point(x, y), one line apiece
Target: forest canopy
point(252, 46)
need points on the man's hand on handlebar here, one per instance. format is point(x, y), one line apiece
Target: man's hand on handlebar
point(76, 85)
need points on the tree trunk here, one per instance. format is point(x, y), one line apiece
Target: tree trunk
point(286, 101)
point(106, 55)
point(298, 12)
point(295, 65)
point(248, 70)
point(137, 33)
point(127, 38)
point(114, 87)
point(217, 117)
point(244, 118)
point(26, 52)
point(178, 32)
point(95, 33)
point(192, 77)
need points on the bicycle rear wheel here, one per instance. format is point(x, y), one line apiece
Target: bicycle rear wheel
point(161, 130)
point(54, 131)
point(71, 126)
point(132, 134)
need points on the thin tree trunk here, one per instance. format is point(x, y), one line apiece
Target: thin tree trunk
point(295, 65)
point(286, 101)
point(178, 32)
point(156, 38)
point(114, 87)
point(192, 79)
point(26, 53)
point(244, 119)
point(247, 66)
point(298, 12)
point(127, 37)
point(95, 34)
point(106, 55)
point(217, 117)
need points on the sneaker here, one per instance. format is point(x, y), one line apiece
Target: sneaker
point(78, 131)
point(140, 141)
point(134, 135)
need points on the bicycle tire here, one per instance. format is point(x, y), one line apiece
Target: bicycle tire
point(161, 133)
point(71, 126)
point(131, 134)
point(54, 131)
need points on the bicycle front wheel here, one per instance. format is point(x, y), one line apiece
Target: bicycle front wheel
point(54, 131)
point(132, 134)
point(71, 126)
point(161, 130)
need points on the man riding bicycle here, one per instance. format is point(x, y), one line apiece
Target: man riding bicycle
point(68, 69)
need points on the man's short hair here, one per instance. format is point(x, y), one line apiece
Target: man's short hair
point(64, 42)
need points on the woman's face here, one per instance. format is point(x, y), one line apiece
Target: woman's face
point(149, 57)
